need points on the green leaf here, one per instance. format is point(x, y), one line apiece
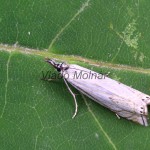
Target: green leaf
point(105, 36)
point(100, 30)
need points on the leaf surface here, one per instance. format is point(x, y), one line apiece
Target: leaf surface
point(105, 36)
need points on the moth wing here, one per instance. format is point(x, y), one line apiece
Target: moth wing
point(114, 86)
point(131, 111)
point(122, 99)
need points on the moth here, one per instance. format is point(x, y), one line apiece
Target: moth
point(125, 101)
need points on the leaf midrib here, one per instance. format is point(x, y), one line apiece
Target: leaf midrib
point(73, 58)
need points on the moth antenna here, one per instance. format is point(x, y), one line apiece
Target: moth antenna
point(74, 97)
point(117, 116)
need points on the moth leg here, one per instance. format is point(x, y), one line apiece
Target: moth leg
point(74, 97)
point(49, 79)
point(46, 79)
point(107, 74)
point(118, 116)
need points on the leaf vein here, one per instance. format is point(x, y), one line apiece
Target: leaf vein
point(82, 8)
point(6, 85)
point(99, 125)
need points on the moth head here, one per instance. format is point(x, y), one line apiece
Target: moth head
point(57, 65)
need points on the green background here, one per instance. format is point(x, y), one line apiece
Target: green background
point(105, 36)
